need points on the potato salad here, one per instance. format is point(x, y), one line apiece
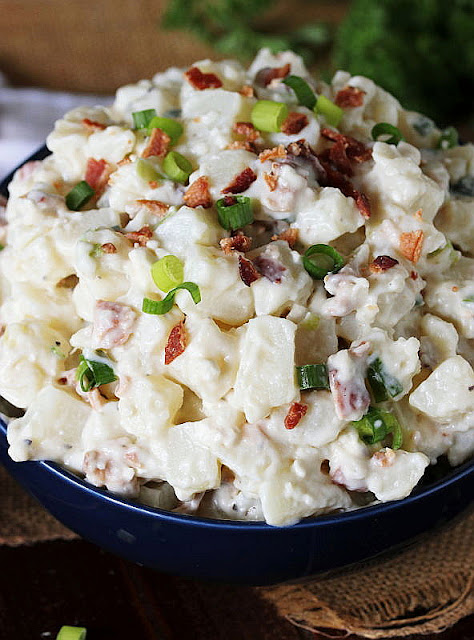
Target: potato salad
point(242, 294)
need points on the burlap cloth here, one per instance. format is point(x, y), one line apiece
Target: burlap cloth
point(424, 589)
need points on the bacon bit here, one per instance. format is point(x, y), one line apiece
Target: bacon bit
point(411, 244)
point(248, 272)
point(141, 236)
point(290, 235)
point(197, 194)
point(245, 129)
point(155, 207)
point(201, 81)
point(236, 243)
point(243, 144)
point(124, 161)
point(296, 412)
point(455, 289)
point(158, 144)
point(93, 125)
point(267, 74)
point(2, 331)
point(363, 204)
point(229, 201)
point(384, 458)
point(294, 123)
point(273, 154)
point(97, 174)
point(325, 468)
point(247, 91)
point(269, 268)
point(413, 275)
point(419, 214)
point(354, 149)
point(335, 179)
point(153, 184)
point(177, 342)
point(113, 324)
point(300, 148)
point(271, 179)
point(382, 263)
point(108, 247)
point(349, 97)
point(69, 282)
point(241, 182)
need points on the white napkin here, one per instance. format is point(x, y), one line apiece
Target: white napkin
point(28, 115)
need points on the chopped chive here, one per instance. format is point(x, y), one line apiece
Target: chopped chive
point(382, 384)
point(386, 129)
point(159, 307)
point(302, 90)
point(79, 195)
point(268, 115)
point(72, 633)
point(177, 167)
point(449, 138)
point(234, 212)
point(376, 425)
point(168, 272)
point(312, 376)
point(329, 110)
point(92, 374)
point(146, 171)
point(321, 259)
point(141, 119)
point(469, 299)
point(171, 127)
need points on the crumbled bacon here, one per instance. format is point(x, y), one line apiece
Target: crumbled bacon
point(267, 74)
point(384, 457)
point(158, 144)
point(296, 411)
point(245, 129)
point(333, 178)
point(299, 148)
point(293, 123)
point(97, 174)
point(362, 203)
point(93, 125)
point(411, 244)
point(269, 267)
point(108, 247)
point(238, 242)
point(273, 154)
point(107, 469)
point(349, 97)
point(155, 207)
point(271, 179)
point(290, 235)
point(197, 194)
point(229, 201)
point(241, 182)
point(141, 236)
point(177, 341)
point(382, 263)
point(247, 270)
point(113, 324)
point(242, 144)
point(350, 397)
point(201, 81)
point(69, 282)
point(247, 91)
point(413, 275)
point(345, 150)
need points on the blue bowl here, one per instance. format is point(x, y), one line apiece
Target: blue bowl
point(241, 552)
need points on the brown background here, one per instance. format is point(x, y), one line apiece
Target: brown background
point(98, 45)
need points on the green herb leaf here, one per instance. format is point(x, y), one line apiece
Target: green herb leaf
point(92, 374)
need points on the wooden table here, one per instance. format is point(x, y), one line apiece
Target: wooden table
point(47, 585)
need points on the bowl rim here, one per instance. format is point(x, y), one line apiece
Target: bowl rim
point(458, 473)
point(374, 510)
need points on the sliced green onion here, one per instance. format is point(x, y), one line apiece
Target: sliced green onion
point(268, 115)
point(449, 138)
point(376, 425)
point(2, 247)
point(382, 384)
point(329, 110)
point(386, 129)
point(312, 376)
point(469, 299)
point(171, 127)
point(159, 307)
point(79, 195)
point(96, 250)
point(57, 351)
point(146, 171)
point(168, 272)
point(72, 633)
point(177, 167)
point(321, 259)
point(302, 90)
point(141, 119)
point(236, 214)
point(92, 374)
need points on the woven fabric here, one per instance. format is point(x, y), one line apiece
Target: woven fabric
point(424, 589)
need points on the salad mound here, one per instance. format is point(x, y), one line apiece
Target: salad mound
point(242, 293)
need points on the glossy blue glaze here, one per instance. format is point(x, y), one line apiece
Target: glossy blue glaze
point(244, 552)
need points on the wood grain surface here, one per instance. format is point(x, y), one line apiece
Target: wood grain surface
point(47, 585)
